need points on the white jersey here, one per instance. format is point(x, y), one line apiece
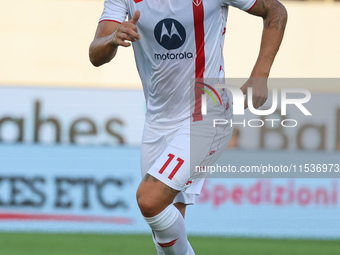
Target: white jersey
point(180, 40)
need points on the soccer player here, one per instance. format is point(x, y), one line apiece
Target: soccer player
point(176, 41)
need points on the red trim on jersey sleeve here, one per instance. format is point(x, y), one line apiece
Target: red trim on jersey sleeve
point(252, 6)
point(111, 21)
point(137, 1)
point(200, 58)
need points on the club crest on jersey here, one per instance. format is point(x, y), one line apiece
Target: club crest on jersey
point(197, 2)
point(170, 34)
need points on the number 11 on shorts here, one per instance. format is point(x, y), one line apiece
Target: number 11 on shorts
point(179, 164)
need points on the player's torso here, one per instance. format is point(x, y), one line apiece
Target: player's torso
point(172, 26)
point(181, 40)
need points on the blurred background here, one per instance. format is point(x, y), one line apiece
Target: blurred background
point(70, 137)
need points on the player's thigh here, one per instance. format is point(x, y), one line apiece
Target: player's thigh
point(190, 148)
point(207, 143)
point(153, 144)
point(153, 196)
point(172, 167)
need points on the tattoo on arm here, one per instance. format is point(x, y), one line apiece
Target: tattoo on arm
point(273, 13)
point(278, 22)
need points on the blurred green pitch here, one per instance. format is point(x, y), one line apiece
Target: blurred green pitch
point(85, 244)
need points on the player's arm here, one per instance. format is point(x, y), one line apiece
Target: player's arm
point(109, 36)
point(274, 16)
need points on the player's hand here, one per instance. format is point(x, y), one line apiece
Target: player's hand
point(127, 31)
point(260, 91)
